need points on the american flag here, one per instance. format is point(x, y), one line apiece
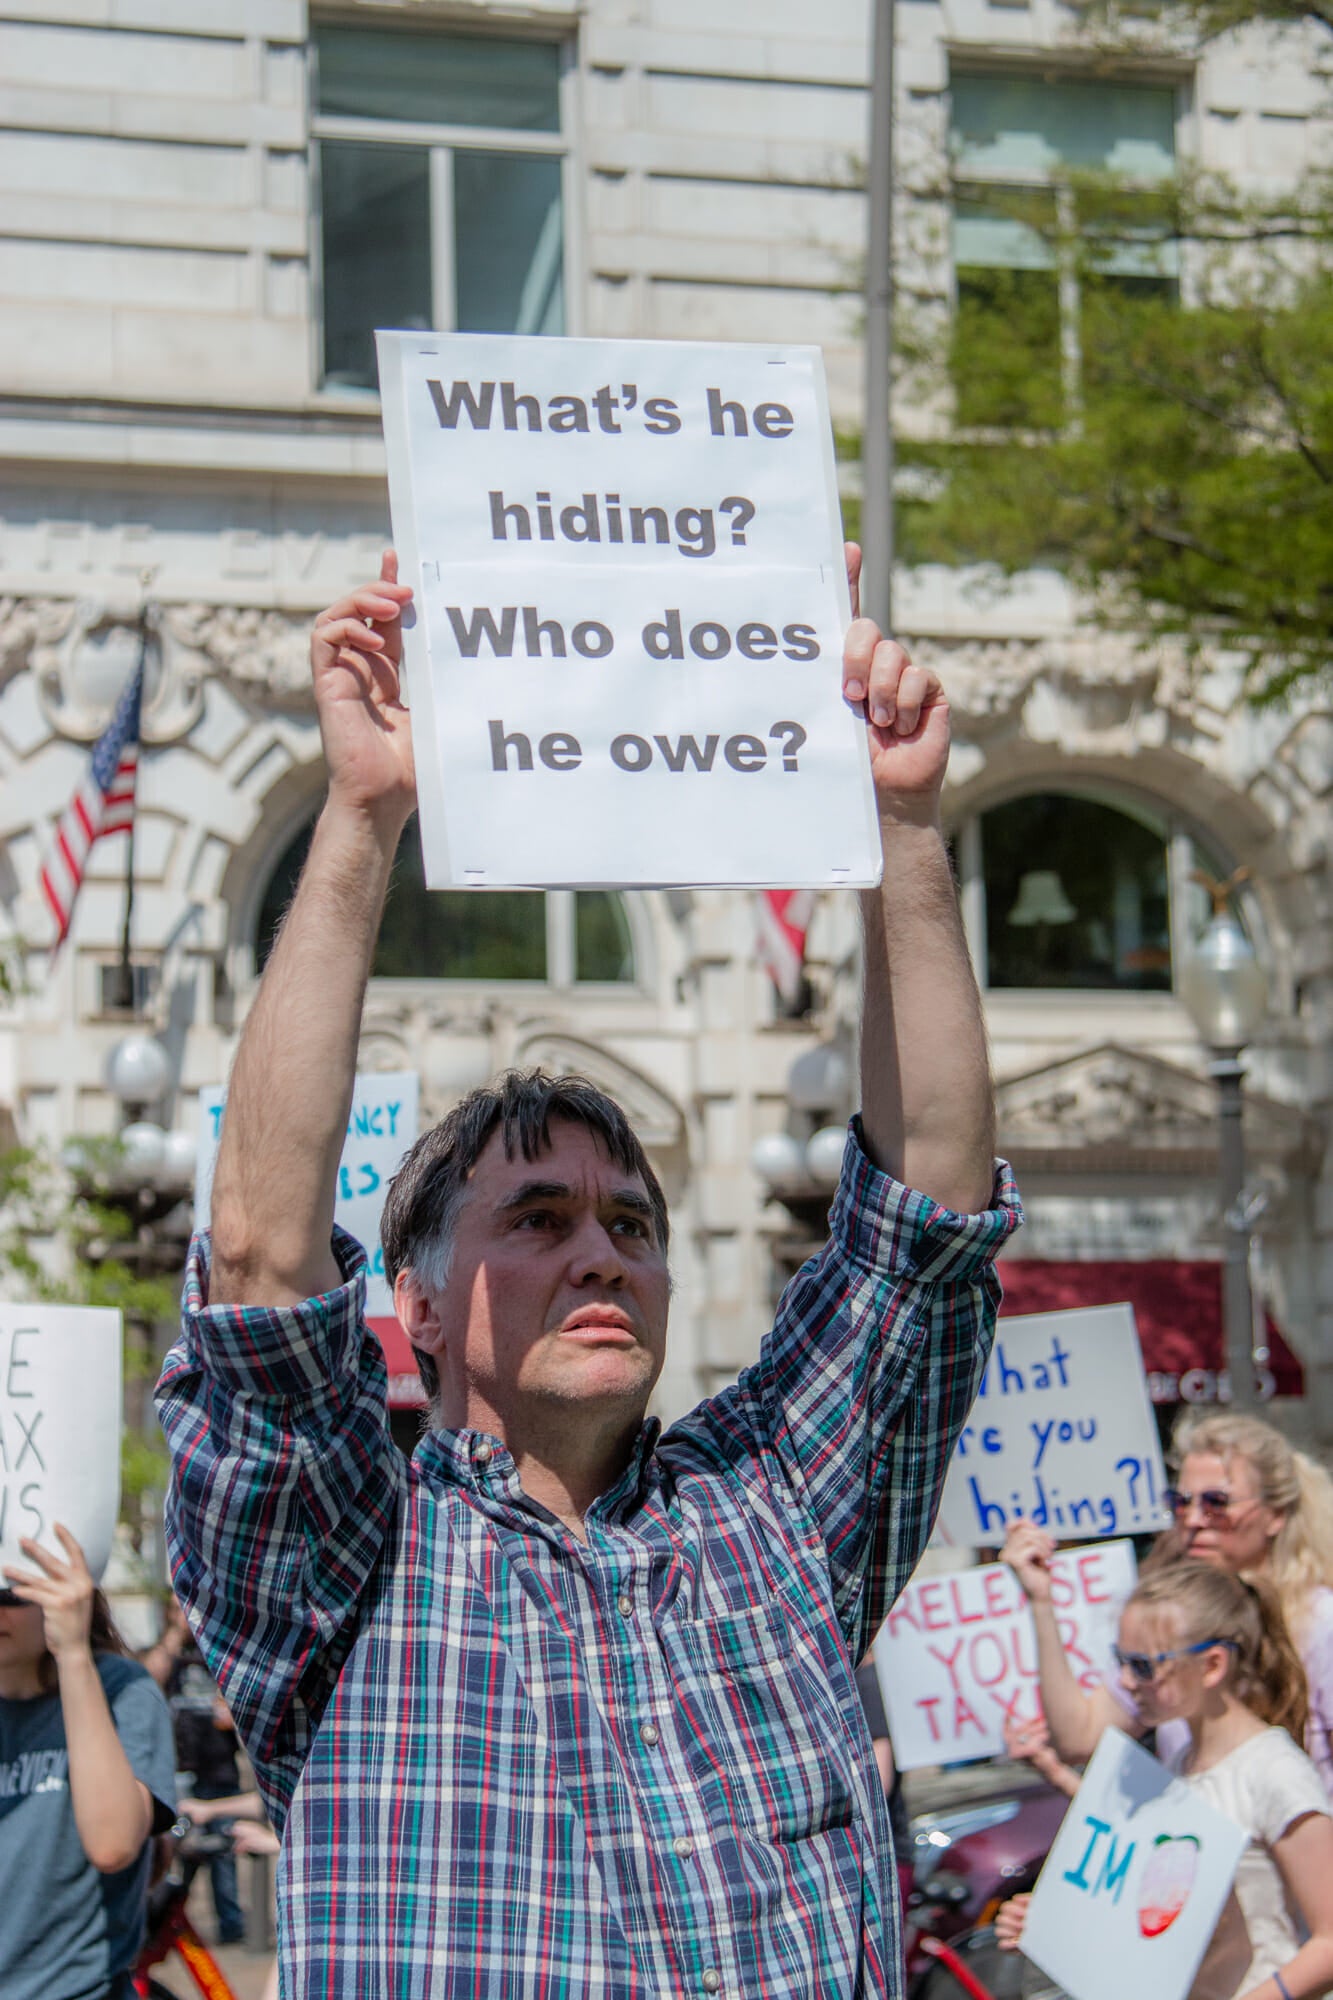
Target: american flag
point(784, 919)
point(103, 803)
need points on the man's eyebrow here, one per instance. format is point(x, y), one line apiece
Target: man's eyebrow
point(535, 1190)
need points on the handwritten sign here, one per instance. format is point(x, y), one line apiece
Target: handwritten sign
point(60, 1425)
point(1135, 1883)
point(631, 599)
point(382, 1126)
point(957, 1654)
point(1062, 1432)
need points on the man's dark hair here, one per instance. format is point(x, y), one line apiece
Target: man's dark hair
point(426, 1194)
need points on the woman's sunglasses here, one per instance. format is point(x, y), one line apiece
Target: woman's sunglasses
point(1213, 1503)
point(1142, 1667)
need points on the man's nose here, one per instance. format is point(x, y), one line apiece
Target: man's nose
point(595, 1254)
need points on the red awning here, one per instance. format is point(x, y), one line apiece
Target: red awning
point(1177, 1308)
point(405, 1390)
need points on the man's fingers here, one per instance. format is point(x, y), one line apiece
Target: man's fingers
point(374, 601)
point(913, 688)
point(858, 652)
point(349, 633)
point(887, 666)
point(389, 566)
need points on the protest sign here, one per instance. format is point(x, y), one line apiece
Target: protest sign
point(1135, 1882)
point(624, 658)
point(382, 1125)
point(957, 1655)
point(1062, 1432)
point(60, 1425)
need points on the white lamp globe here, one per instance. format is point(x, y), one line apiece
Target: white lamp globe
point(143, 1152)
point(823, 1155)
point(179, 1152)
point(138, 1070)
point(819, 1080)
point(1222, 984)
point(779, 1160)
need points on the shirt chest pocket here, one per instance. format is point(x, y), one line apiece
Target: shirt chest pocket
point(762, 1731)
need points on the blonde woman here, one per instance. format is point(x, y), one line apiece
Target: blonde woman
point(1244, 1501)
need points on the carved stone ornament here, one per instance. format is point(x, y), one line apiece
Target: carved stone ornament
point(83, 652)
point(258, 652)
point(656, 1117)
point(1105, 679)
point(1116, 1100)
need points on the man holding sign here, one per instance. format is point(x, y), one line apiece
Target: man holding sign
point(566, 1706)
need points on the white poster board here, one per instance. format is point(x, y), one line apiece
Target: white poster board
point(1062, 1432)
point(1134, 1885)
point(60, 1427)
point(624, 659)
point(380, 1130)
point(957, 1654)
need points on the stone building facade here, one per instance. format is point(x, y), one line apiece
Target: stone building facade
point(206, 206)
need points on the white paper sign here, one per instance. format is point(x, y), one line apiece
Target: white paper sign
point(380, 1130)
point(1135, 1883)
point(957, 1654)
point(1062, 1432)
point(625, 661)
point(60, 1426)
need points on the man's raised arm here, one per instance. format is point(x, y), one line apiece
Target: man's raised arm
point(291, 1088)
point(927, 1106)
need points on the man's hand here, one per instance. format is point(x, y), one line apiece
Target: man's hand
point(356, 655)
point(906, 713)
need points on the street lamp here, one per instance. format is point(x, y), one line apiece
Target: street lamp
point(1223, 986)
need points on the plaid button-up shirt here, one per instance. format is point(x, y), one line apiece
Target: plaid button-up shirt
point(514, 1764)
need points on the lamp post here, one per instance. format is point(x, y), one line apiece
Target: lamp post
point(1223, 986)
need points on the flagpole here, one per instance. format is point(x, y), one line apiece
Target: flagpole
point(123, 996)
point(877, 443)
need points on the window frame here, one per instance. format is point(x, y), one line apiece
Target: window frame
point(441, 142)
point(1183, 840)
point(975, 181)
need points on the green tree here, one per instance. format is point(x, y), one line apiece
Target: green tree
point(72, 1234)
point(1148, 408)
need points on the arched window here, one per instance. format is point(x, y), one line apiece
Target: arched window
point(1080, 889)
point(504, 934)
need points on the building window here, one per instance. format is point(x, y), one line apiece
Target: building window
point(440, 162)
point(1035, 246)
point(1080, 890)
point(559, 938)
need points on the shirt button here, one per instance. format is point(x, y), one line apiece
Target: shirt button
point(624, 1604)
point(683, 1846)
point(649, 1732)
point(482, 1455)
point(712, 1981)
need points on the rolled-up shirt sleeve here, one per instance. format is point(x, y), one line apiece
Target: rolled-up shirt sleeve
point(284, 1481)
point(865, 1381)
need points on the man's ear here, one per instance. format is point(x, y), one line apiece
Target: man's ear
point(417, 1313)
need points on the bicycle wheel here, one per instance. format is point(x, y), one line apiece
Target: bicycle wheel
point(1000, 1975)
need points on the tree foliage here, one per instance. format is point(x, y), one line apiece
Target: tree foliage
point(68, 1237)
point(1147, 406)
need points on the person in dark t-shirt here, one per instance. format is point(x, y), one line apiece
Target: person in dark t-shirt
point(86, 1779)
